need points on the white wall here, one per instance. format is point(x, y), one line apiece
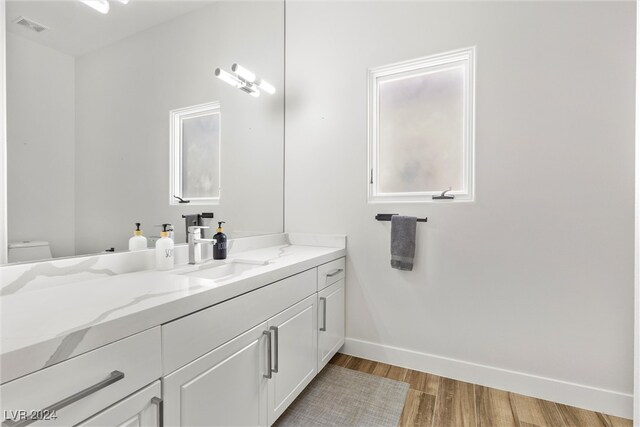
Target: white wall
point(124, 95)
point(3, 140)
point(40, 149)
point(636, 388)
point(534, 278)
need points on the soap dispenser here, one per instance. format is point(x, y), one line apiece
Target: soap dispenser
point(138, 242)
point(164, 249)
point(220, 247)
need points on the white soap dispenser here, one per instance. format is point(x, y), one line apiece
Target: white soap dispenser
point(164, 250)
point(138, 242)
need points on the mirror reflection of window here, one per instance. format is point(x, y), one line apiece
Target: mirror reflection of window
point(201, 157)
point(195, 154)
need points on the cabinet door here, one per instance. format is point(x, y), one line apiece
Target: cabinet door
point(225, 387)
point(294, 359)
point(330, 322)
point(143, 408)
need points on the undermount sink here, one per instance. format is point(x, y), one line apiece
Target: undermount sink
point(224, 271)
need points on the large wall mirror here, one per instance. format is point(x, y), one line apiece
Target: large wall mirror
point(90, 101)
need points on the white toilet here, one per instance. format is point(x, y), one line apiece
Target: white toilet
point(29, 250)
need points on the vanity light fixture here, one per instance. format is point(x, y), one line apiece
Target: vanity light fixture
point(244, 80)
point(228, 78)
point(243, 72)
point(251, 77)
point(267, 87)
point(101, 6)
point(237, 82)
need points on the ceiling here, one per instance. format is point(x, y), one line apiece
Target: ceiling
point(76, 29)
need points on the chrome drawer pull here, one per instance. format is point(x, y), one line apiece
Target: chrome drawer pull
point(275, 335)
point(160, 410)
point(324, 314)
point(333, 273)
point(113, 377)
point(268, 375)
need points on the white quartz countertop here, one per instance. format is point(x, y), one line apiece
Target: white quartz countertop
point(44, 327)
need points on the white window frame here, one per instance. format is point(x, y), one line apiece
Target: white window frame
point(464, 58)
point(176, 119)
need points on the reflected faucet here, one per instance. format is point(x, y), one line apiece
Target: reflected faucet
point(194, 240)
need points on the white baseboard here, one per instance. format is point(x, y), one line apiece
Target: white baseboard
point(581, 396)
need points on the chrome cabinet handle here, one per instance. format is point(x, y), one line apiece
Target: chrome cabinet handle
point(277, 347)
point(333, 273)
point(324, 314)
point(160, 410)
point(268, 375)
point(113, 377)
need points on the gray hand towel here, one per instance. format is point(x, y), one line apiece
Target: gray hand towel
point(403, 241)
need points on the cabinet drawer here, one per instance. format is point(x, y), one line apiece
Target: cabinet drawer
point(142, 409)
point(91, 381)
point(330, 273)
point(192, 336)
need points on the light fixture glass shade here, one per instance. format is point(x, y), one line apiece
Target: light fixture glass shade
point(228, 78)
point(243, 72)
point(267, 87)
point(255, 93)
point(101, 6)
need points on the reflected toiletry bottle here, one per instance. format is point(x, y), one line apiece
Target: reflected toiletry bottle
point(138, 242)
point(220, 247)
point(164, 250)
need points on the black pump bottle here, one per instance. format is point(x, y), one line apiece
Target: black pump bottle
point(220, 248)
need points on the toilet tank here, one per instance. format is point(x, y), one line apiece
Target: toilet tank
point(29, 250)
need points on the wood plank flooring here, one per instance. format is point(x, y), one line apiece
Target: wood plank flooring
point(435, 401)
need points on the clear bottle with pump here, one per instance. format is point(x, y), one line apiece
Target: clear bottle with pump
point(164, 249)
point(138, 242)
point(220, 247)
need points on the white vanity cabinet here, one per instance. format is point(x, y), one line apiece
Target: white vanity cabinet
point(143, 408)
point(331, 300)
point(252, 378)
point(240, 362)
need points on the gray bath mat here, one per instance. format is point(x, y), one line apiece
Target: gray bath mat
point(346, 398)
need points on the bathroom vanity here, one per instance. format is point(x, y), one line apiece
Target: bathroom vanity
point(229, 342)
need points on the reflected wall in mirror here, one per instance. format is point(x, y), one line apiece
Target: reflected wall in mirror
point(88, 118)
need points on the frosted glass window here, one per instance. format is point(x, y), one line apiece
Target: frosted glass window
point(195, 154)
point(200, 156)
point(421, 128)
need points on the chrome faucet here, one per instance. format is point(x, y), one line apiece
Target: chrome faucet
point(194, 240)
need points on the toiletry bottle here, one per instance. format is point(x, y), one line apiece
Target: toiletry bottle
point(164, 250)
point(138, 242)
point(220, 247)
point(169, 230)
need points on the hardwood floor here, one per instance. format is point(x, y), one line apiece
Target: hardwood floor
point(435, 401)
